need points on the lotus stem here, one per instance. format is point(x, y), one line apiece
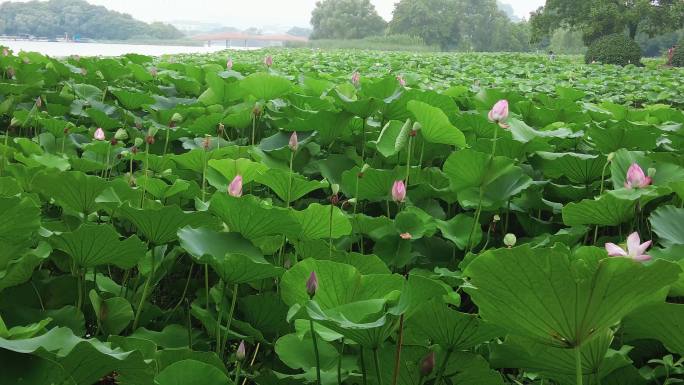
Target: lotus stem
point(237, 372)
point(185, 292)
point(397, 356)
point(408, 159)
point(289, 181)
point(231, 313)
point(363, 366)
point(204, 177)
point(79, 300)
point(219, 319)
point(166, 139)
point(603, 180)
point(315, 347)
point(330, 230)
point(339, 363)
point(138, 311)
point(442, 368)
point(5, 161)
point(206, 284)
point(147, 165)
point(376, 361)
point(578, 365)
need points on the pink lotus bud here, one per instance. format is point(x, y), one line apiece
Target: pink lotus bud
point(240, 354)
point(406, 236)
point(206, 143)
point(294, 141)
point(5, 52)
point(427, 364)
point(312, 284)
point(39, 102)
point(401, 81)
point(398, 191)
point(235, 187)
point(268, 61)
point(153, 72)
point(99, 134)
point(499, 113)
point(635, 249)
point(229, 64)
point(84, 71)
point(356, 78)
point(636, 178)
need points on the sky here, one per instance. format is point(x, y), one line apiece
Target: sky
point(251, 13)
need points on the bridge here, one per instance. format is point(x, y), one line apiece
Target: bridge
point(230, 37)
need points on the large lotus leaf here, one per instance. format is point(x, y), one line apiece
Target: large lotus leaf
point(87, 92)
point(265, 86)
point(521, 132)
point(665, 173)
point(437, 323)
point(627, 375)
point(160, 225)
point(22, 369)
point(94, 245)
point(168, 357)
point(220, 172)
point(279, 181)
point(663, 322)
point(559, 364)
point(435, 125)
point(253, 218)
point(627, 136)
point(113, 314)
point(20, 222)
point(554, 298)
point(393, 138)
point(266, 312)
point(233, 257)
point(322, 222)
point(20, 270)
point(458, 228)
point(132, 100)
point(375, 184)
point(339, 284)
point(191, 372)
point(607, 210)
point(299, 353)
point(86, 361)
point(73, 190)
point(668, 223)
point(578, 168)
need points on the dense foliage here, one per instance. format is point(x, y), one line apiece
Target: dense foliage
point(678, 57)
point(614, 49)
point(346, 19)
point(54, 18)
point(340, 217)
point(598, 18)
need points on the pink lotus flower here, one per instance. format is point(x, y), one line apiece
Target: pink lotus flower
point(636, 177)
point(153, 72)
point(401, 81)
point(241, 351)
point(312, 284)
point(229, 64)
point(235, 187)
point(635, 249)
point(398, 191)
point(268, 61)
point(499, 113)
point(99, 134)
point(356, 78)
point(294, 141)
point(406, 236)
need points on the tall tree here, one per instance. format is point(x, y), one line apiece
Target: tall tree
point(597, 18)
point(346, 19)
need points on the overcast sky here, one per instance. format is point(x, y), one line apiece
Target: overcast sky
point(248, 13)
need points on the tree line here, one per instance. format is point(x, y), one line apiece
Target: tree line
point(55, 18)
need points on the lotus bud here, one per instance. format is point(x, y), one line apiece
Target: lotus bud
point(39, 102)
point(268, 61)
point(256, 111)
point(138, 125)
point(176, 118)
point(149, 139)
point(636, 178)
point(152, 131)
point(496, 218)
point(398, 191)
point(221, 128)
point(134, 150)
point(206, 143)
point(294, 141)
point(125, 154)
point(335, 188)
point(66, 130)
point(121, 134)
point(312, 285)
point(365, 168)
point(229, 64)
point(99, 134)
point(235, 187)
point(138, 142)
point(356, 78)
point(499, 113)
point(610, 157)
point(401, 81)
point(240, 354)
point(427, 364)
point(405, 236)
point(510, 240)
point(5, 52)
point(153, 72)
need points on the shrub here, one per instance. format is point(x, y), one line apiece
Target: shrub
point(678, 58)
point(614, 49)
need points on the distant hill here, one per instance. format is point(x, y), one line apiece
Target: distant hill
point(55, 18)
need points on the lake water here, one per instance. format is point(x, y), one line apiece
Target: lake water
point(60, 49)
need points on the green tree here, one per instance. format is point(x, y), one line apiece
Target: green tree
point(346, 19)
point(435, 21)
point(597, 18)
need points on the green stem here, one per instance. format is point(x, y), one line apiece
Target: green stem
point(231, 313)
point(376, 361)
point(330, 230)
point(237, 372)
point(166, 140)
point(442, 368)
point(315, 347)
point(185, 292)
point(289, 181)
point(339, 364)
point(138, 311)
point(253, 129)
point(79, 300)
point(219, 319)
point(363, 366)
point(206, 284)
point(204, 177)
point(5, 161)
point(147, 165)
point(397, 356)
point(578, 365)
point(603, 180)
point(408, 159)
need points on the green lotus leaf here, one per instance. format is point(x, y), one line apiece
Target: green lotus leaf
point(191, 372)
point(279, 181)
point(668, 223)
point(578, 168)
point(435, 125)
point(661, 321)
point(73, 190)
point(94, 245)
point(160, 225)
point(20, 222)
point(264, 86)
point(322, 222)
point(558, 299)
point(393, 138)
point(113, 314)
point(220, 172)
point(607, 210)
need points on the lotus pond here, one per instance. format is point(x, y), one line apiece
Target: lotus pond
point(313, 217)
